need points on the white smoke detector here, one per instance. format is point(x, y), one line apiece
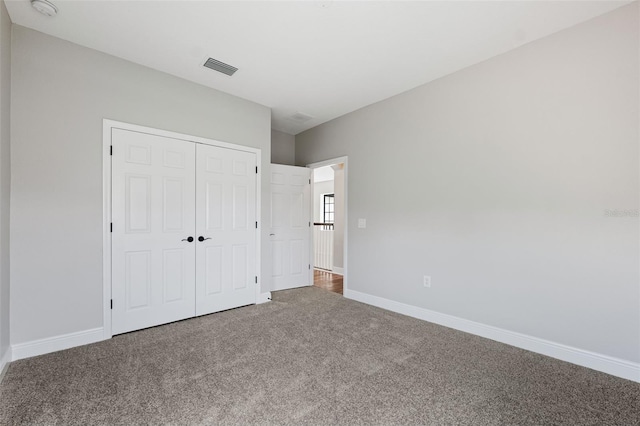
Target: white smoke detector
point(45, 7)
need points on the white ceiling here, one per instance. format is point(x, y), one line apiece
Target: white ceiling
point(320, 58)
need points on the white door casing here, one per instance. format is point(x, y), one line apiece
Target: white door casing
point(290, 227)
point(226, 222)
point(345, 162)
point(153, 212)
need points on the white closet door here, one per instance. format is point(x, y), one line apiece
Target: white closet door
point(226, 229)
point(153, 202)
point(290, 226)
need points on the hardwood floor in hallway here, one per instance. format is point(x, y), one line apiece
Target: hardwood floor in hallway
point(327, 281)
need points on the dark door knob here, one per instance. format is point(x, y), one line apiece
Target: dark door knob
point(201, 238)
point(190, 239)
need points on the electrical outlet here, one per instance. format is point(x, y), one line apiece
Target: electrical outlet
point(426, 281)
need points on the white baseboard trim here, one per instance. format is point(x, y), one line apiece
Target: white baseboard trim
point(337, 270)
point(264, 298)
point(606, 364)
point(5, 359)
point(56, 343)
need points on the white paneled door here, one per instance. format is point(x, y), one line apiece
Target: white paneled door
point(290, 226)
point(184, 233)
point(226, 229)
point(153, 215)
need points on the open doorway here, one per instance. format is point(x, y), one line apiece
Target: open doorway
point(329, 224)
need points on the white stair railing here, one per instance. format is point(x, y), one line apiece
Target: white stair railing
point(323, 245)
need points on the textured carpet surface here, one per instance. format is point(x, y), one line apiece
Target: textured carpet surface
point(309, 357)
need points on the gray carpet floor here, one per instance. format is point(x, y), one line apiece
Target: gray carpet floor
point(309, 357)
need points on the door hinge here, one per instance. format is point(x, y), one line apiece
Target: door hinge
point(256, 169)
point(111, 303)
point(111, 226)
point(256, 279)
point(111, 150)
point(309, 224)
point(256, 224)
point(309, 267)
point(309, 181)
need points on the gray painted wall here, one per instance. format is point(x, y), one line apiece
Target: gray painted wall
point(61, 94)
point(497, 181)
point(283, 148)
point(5, 176)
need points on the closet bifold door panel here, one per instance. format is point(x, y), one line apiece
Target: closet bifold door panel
point(153, 216)
point(225, 228)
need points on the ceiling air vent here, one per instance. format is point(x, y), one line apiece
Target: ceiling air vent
point(220, 66)
point(300, 117)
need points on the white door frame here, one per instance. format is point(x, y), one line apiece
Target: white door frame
point(330, 162)
point(107, 125)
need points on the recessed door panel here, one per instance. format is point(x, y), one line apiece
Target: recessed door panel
point(279, 209)
point(173, 274)
point(240, 202)
point(213, 164)
point(297, 256)
point(278, 256)
point(277, 178)
point(173, 206)
point(239, 167)
point(213, 206)
point(299, 211)
point(138, 154)
point(138, 279)
point(239, 269)
point(213, 270)
point(174, 159)
point(138, 203)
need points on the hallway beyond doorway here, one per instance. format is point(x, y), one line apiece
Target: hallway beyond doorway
point(327, 281)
